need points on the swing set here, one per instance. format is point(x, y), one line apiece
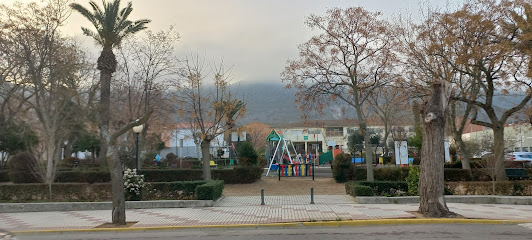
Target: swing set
point(282, 157)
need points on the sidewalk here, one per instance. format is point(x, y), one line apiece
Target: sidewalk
point(247, 210)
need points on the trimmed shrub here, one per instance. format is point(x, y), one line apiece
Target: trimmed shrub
point(391, 173)
point(455, 164)
point(385, 188)
point(21, 168)
point(387, 160)
point(361, 174)
point(171, 190)
point(82, 192)
point(211, 190)
point(343, 170)
point(361, 190)
point(413, 180)
point(171, 175)
point(453, 174)
point(507, 188)
point(83, 176)
point(239, 174)
point(4, 176)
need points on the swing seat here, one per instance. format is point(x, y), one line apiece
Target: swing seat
point(274, 167)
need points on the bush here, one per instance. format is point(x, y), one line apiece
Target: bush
point(417, 161)
point(386, 188)
point(4, 176)
point(455, 164)
point(360, 174)
point(81, 192)
point(83, 176)
point(21, 168)
point(453, 174)
point(239, 174)
point(211, 190)
point(164, 175)
point(343, 169)
point(413, 181)
point(391, 173)
point(361, 190)
point(387, 160)
point(247, 154)
point(171, 190)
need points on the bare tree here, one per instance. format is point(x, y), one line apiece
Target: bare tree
point(207, 107)
point(350, 58)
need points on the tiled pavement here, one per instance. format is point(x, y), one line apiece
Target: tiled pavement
point(247, 210)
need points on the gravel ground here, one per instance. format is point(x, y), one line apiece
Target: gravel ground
point(287, 186)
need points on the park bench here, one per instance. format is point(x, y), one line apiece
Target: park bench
point(516, 173)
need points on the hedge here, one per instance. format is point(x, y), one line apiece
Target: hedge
point(22, 177)
point(4, 176)
point(171, 175)
point(238, 174)
point(507, 188)
point(83, 176)
point(361, 190)
point(454, 174)
point(386, 187)
point(209, 191)
point(84, 192)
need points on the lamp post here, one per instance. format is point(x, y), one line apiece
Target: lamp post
point(137, 130)
point(64, 148)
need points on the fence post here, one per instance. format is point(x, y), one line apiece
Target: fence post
point(311, 195)
point(313, 166)
point(262, 196)
point(279, 171)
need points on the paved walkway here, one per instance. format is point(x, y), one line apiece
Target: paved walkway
point(247, 210)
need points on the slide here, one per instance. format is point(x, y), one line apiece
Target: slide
point(287, 158)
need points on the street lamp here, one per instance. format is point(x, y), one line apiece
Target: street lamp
point(64, 148)
point(137, 130)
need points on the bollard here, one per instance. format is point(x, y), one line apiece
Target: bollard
point(262, 196)
point(279, 172)
point(311, 195)
point(313, 166)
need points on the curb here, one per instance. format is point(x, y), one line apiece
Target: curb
point(471, 199)
point(291, 225)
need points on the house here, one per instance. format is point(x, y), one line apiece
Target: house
point(517, 137)
point(180, 141)
point(318, 135)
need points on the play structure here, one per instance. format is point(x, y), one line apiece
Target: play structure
point(282, 157)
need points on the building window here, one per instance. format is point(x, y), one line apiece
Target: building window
point(334, 131)
point(181, 142)
point(516, 149)
point(525, 149)
point(296, 132)
point(314, 131)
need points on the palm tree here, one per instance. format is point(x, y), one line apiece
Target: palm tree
point(112, 26)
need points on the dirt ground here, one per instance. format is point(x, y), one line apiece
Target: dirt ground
point(287, 186)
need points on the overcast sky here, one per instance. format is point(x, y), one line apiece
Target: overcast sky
point(255, 37)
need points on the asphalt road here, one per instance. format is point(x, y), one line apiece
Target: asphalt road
point(383, 232)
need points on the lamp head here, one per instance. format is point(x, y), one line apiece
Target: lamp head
point(138, 129)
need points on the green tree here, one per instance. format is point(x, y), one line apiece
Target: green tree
point(416, 140)
point(15, 137)
point(112, 25)
point(248, 155)
point(356, 140)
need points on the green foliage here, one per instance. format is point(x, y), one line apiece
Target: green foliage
point(239, 174)
point(86, 142)
point(453, 175)
point(16, 137)
point(247, 154)
point(21, 168)
point(72, 192)
point(394, 173)
point(211, 190)
point(355, 140)
point(361, 190)
point(386, 188)
point(455, 164)
point(343, 169)
point(171, 190)
point(4, 176)
point(83, 176)
point(413, 181)
point(416, 140)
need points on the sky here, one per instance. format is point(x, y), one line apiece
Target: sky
point(254, 37)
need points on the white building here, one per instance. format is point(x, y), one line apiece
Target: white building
point(181, 142)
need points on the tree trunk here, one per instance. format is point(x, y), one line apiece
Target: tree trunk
point(206, 158)
point(498, 151)
point(464, 151)
point(431, 180)
point(369, 153)
point(106, 65)
point(117, 186)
